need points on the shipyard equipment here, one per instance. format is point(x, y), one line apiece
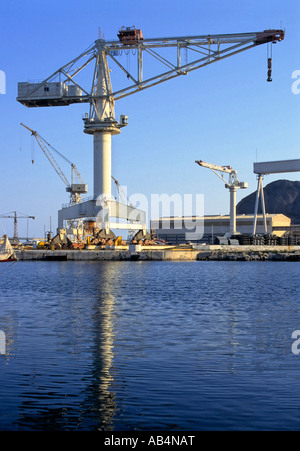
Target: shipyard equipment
point(267, 168)
point(171, 58)
point(76, 187)
point(15, 216)
point(122, 195)
point(233, 184)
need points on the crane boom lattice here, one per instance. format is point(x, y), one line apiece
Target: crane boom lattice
point(75, 189)
point(60, 88)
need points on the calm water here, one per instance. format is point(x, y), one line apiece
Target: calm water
point(149, 346)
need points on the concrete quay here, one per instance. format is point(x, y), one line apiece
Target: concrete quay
point(171, 253)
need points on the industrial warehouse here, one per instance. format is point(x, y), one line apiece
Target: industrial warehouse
point(176, 230)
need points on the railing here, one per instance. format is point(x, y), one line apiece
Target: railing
point(86, 199)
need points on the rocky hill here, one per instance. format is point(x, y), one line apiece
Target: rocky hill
point(282, 196)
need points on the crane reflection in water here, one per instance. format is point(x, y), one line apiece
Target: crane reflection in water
point(70, 386)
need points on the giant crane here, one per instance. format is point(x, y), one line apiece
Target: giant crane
point(233, 184)
point(176, 56)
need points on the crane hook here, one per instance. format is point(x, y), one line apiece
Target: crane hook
point(269, 56)
point(269, 79)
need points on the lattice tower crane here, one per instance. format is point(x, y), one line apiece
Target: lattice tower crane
point(75, 189)
point(15, 216)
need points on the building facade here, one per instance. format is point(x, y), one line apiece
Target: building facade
point(179, 230)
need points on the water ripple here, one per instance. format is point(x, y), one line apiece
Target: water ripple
point(149, 346)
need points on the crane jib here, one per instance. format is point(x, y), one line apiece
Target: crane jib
point(61, 88)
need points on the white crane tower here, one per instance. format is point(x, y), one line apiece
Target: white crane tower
point(64, 87)
point(233, 184)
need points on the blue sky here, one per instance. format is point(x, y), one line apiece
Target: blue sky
point(225, 114)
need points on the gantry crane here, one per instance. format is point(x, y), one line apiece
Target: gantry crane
point(267, 168)
point(233, 184)
point(15, 216)
point(75, 189)
point(176, 56)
